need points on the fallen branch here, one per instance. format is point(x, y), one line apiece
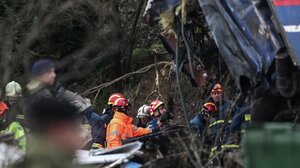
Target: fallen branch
point(140, 71)
point(195, 164)
point(169, 156)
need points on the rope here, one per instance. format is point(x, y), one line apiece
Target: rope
point(187, 46)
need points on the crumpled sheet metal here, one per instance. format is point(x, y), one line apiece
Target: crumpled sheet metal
point(245, 36)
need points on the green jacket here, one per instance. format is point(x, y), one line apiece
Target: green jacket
point(41, 154)
point(19, 134)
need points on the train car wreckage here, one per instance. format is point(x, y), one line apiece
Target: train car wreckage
point(257, 40)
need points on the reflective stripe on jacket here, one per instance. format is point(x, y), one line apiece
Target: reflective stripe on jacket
point(241, 121)
point(219, 122)
point(18, 132)
point(223, 147)
point(121, 128)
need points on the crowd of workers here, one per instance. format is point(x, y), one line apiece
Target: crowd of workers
point(50, 118)
point(220, 122)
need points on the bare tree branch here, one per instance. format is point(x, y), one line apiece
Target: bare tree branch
point(140, 71)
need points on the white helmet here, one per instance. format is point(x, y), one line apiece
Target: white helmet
point(143, 111)
point(13, 89)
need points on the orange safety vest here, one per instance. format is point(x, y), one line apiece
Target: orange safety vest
point(121, 128)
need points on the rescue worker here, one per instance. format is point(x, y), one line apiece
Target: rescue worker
point(159, 114)
point(43, 85)
point(112, 98)
point(208, 111)
point(13, 91)
point(121, 127)
point(101, 122)
point(226, 107)
point(240, 122)
point(226, 111)
point(220, 123)
point(143, 116)
point(13, 94)
point(13, 127)
point(43, 80)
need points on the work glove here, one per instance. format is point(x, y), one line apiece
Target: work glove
point(205, 115)
point(165, 117)
point(154, 127)
point(108, 111)
point(82, 106)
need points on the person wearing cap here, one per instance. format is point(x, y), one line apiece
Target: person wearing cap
point(40, 86)
point(44, 86)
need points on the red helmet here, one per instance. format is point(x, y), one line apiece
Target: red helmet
point(210, 107)
point(217, 88)
point(3, 108)
point(120, 103)
point(114, 97)
point(154, 105)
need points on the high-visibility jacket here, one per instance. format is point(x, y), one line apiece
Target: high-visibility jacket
point(121, 128)
point(19, 134)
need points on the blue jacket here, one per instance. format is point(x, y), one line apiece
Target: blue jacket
point(198, 123)
point(98, 123)
point(152, 123)
point(216, 122)
point(240, 121)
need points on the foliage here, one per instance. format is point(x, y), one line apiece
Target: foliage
point(89, 39)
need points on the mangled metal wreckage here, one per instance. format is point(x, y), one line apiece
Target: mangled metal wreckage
point(257, 39)
point(120, 156)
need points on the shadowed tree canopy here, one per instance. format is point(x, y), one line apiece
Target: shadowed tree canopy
point(82, 36)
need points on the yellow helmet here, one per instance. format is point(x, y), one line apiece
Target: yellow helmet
point(154, 105)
